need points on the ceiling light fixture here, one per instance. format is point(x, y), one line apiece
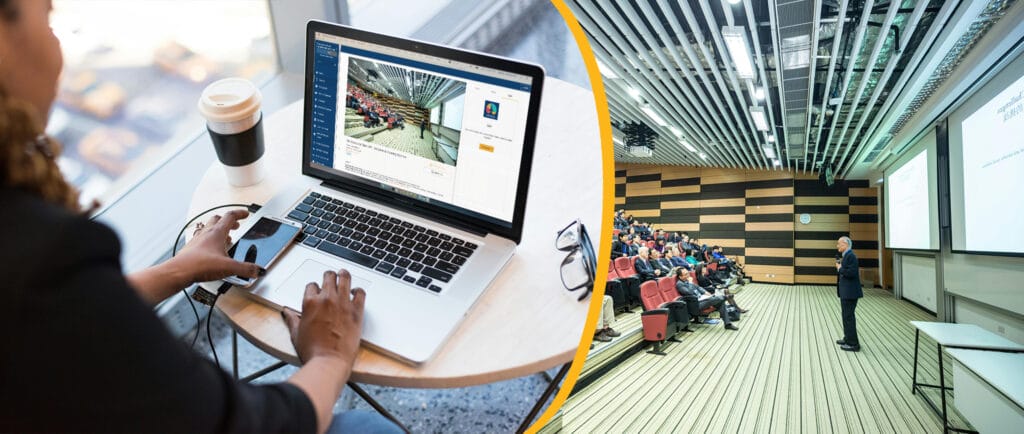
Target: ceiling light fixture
point(703, 156)
point(734, 2)
point(769, 152)
point(759, 93)
point(771, 138)
point(736, 41)
point(676, 131)
point(606, 71)
point(618, 141)
point(688, 146)
point(776, 163)
point(634, 93)
point(646, 108)
point(760, 120)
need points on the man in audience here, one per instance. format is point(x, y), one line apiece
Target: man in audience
point(620, 247)
point(634, 247)
point(675, 258)
point(604, 331)
point(848, 289)
point(686, 287)
point(643, 266)
point(659, 263)
point(708, 281)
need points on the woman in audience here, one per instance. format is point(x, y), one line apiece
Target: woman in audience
point(83, 350)
point(691, 257)
point(710, 283)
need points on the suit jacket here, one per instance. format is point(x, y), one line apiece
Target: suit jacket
point(617, 250)
point(664, 264)
point(633, 250)
point(848, 281)
point(644, 269)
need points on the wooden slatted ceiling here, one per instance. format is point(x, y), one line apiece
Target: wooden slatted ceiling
point(782, 372)
point(742, 210)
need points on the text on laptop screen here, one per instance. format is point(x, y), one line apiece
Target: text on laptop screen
point(434, 129)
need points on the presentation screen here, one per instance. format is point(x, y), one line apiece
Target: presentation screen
point(911, 199)
point(987, 168)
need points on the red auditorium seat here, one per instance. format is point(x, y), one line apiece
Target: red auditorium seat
point(630, 281)
point(658, 324)
point(616, 232)
point(654, 298)
point(616, 290)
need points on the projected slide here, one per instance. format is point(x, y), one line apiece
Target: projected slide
point(908, 205)
point(993, 168)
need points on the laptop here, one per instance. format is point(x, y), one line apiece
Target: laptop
point(415, 166)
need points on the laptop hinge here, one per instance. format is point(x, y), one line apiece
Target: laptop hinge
point(411, 206)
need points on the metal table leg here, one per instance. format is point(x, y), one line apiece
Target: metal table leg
point(376, 405)
point(553, 386)
point(913, 383)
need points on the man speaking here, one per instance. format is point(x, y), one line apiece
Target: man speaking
point(849, 291)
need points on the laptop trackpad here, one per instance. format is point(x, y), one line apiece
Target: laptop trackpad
point(312, 271)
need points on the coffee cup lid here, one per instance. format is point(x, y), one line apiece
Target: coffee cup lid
point(229, 100)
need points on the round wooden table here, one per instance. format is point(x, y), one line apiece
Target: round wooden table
point(525, 322)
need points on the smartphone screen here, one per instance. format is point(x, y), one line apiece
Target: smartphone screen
point(262, 243)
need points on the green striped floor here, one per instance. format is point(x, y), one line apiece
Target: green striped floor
point(781, 372)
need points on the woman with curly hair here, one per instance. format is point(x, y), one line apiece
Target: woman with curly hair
point(82, 349)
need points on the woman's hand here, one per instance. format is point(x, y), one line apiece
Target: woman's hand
point(331, 322)
point(205, 257)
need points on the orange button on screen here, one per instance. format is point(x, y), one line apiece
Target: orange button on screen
point(487, 148)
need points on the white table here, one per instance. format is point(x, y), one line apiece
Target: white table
point(954, 336)
point(523, 323)
point(989, 389)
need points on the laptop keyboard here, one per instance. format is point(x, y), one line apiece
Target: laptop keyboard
point(388, 245)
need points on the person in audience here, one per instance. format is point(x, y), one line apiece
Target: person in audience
point(84, 350)
point(848, 288)
point(659, 245)
point(691, 257)
point(660, 263)
point(620, 248)
point(675, 258)
point(634, 247)
point(643, 265)
point(604, 331)
point(686, 287)
point(708, 281)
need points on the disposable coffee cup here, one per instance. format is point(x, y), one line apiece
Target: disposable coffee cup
point(232, 110)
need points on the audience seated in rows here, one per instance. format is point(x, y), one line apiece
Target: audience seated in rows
point(686, 286)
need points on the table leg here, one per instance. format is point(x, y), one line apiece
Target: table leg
point(942, 390)
point(552, 387)
point(262, 372)
point(376, 405)
point(913, 382)
point(234, 353)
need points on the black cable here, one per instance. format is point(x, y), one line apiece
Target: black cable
point(208, 337)
point(174, 251)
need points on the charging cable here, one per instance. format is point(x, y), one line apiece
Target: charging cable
point(222, 289)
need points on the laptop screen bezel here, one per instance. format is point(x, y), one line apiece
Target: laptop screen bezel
point(367, 188)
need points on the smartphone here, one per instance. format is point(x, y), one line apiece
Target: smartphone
point(262, 244)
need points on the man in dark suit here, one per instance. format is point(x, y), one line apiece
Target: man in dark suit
point(848, 289)
point(643, 266)
point(620, 247)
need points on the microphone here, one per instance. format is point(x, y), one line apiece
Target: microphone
point(839, 257)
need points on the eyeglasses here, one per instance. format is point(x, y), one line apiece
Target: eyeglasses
point(579, 267)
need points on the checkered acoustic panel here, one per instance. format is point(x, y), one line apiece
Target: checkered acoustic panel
point(754, 215)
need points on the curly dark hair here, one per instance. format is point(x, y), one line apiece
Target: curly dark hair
point(27, 155)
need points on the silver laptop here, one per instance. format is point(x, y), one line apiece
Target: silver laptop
point(415, 161)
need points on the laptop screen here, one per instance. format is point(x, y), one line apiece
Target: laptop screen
point(441, 131)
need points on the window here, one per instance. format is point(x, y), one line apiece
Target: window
point(133, 73)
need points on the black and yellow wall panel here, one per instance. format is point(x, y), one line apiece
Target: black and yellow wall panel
point(755, 215)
